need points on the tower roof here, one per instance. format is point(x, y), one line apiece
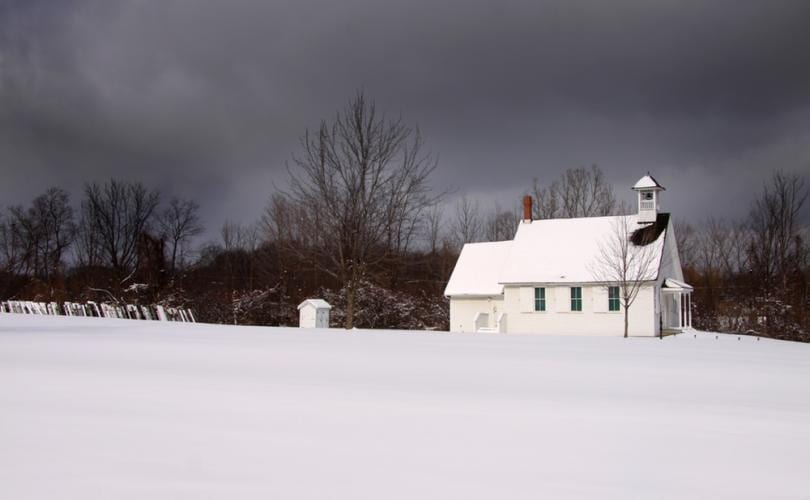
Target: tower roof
point(648, 182)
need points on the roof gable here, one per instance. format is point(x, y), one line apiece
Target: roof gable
point(648, 182)
point(316, 303)
point(478, 269)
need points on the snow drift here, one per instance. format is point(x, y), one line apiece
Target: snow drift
point(103, 408)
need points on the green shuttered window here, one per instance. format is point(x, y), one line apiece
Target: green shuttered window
point(539, 299)
point(576, 298)
point(613, 299)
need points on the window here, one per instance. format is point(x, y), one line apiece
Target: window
point(576, 298)
point(647, 201)
point(613, 298)
point(539, 299)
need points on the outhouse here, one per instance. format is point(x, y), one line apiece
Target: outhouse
point(313, 313)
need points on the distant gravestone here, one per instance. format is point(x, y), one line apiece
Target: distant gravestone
point(313, 313)
point(91, 309)
point(146, 313)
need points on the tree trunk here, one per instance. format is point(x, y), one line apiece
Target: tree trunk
point(351, 292)
point(626, 312)
point(348, 323)
point(174, 256)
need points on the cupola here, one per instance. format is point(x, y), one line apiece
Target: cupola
point(648, 196)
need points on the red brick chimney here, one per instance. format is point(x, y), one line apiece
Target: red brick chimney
point(527, 209)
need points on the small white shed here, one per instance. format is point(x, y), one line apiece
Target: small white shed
point(313, 313)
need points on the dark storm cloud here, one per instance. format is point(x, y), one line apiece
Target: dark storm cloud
point(207, 99)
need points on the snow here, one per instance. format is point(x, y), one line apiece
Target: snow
point(565, 250)
point(478, 269)
point(316, 303)
point(647, 182)
point(105, 408)
point(548, 251)
point(677, 285)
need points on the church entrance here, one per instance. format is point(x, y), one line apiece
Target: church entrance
point(676, 306)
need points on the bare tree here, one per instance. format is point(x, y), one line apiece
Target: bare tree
point(179, 223)
point(776, 245)
point(58, 227)
point(87, 247)
point(231, 237)
point(8, 246)
point(359, 192)
point(586, 193)
point(433, 227)
point(41, 234)
point(19, 237)
point(546, 200)
point(285, 221)
point(116, 214)
point(239, 255)
point(738, 260)
point(501, 225)
point(468, 226)
point(724, 247)
point(627, 258)
point(686, 239)
point(237, 236)
point(580, 192)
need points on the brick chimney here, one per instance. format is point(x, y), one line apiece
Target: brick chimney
point(527, 209)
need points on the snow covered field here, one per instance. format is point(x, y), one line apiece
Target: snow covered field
point(116, 409)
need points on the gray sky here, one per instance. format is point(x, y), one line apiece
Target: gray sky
point(207, 98)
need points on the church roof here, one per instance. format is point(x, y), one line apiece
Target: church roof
point(478, 269)
point(647, 182)
point(548, 251)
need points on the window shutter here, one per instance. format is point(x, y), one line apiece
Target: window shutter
point(526, 299)
point(600, 298)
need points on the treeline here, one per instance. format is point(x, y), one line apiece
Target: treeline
point(122, 245)
point(351, 228)
point(751, 275)
point(382, 259)
point(361, 226)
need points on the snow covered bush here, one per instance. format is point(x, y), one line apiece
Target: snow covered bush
point(379, 307)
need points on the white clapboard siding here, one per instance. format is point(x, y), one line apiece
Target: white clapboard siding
point(599, 296)
point(563, 298)
point(526, 299)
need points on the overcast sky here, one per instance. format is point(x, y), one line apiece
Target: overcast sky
point(208, 98)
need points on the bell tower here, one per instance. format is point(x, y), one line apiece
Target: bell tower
point(649, 193)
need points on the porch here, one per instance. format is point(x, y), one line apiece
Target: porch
point(676, 306)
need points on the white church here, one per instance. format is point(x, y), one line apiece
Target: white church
point(545, 280)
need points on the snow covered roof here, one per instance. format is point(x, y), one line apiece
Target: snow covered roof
point(647, 182)
point(565, 250)
point(676, 285)
point(478, 269)
point(317, 303)
point(548, 251)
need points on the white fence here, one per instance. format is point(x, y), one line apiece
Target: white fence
point(102, 310)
